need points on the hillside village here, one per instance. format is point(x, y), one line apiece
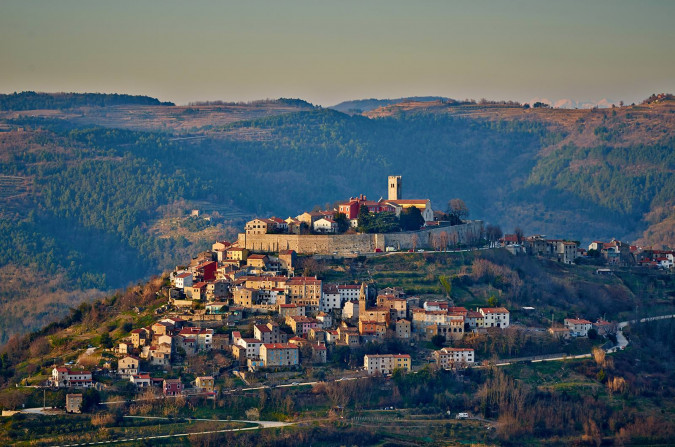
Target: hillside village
point(270, 319)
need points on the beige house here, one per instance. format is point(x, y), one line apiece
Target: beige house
point(386, 363)
point(74, 403)
point(205, 384)
point(128, 366)
point(403, 329)
point(259, 226)
point(245, 297)
point(304, 291)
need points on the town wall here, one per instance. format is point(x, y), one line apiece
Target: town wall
point(362, 243)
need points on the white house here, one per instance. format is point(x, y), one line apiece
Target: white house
point(495, 317)
point(351, 309)
point(330, 298)
point(454, 357)
point(578, 327)
point(325, 225)
point(183, 279)
point(64, 377)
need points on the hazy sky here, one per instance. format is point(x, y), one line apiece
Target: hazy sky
point(330, 51)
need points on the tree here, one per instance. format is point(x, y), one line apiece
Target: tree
point(106, 341)
point(457, 211)
point(415, 241)
point(443, 240)
point(411, 219)
point(493, 233)
point(438, 340)
point(363, 219)
point(519, 234)
point(342, 222)
point(446, 284)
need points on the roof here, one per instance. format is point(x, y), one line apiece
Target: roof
point(257, 256)
point(263, 328)
point(409, 202)
point(577, 321)
point(251, 340)
point(457, 349)
point(280, 346)
point(494, 310)
point(184, 275)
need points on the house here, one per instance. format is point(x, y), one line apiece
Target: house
point(205, 384)
point(288, 260)
point(203, 336)
point(217, 308)
point(207, 271)
point(433, 306)
point(141, 380)
point(424, 205)
point(287, 310)
point(324, 319)
point(474, 319)
point(259, 226)
point(196, 292)
point(279, 354)
point(257, 261)
point(351, 309)
point(161, 328)
point(560, 332)
point(301, 325)
point(325, 225)
point(74, 403)
point(139, 337)
point(330, 298)
point(386, 363)
point(63, 377)
point(578, 327)
point(403, 329)
point(605, 328)
point(398, 307)
point(304, 291)
point(172, 387)
point(182, 280)
point(251, 347)
point(450, 358)
point(349, 292)
point(267, 333)
point(237, 254)
point(128, 366)
point(495, 317)
point(319, 353)
point(123, 348)
point(246, 297)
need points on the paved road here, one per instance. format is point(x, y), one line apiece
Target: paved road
point(259, 425)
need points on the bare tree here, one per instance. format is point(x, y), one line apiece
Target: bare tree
point(443, 239)
point(458, 209)
point(415, 241)
point(519, 234)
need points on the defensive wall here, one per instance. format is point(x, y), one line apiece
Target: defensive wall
point(362, 243)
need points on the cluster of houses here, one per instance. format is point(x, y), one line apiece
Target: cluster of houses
point(613, 253)
point(579, 327)
point(323, 221)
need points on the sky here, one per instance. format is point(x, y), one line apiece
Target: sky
point(330, 51)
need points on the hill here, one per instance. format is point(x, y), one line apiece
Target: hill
point(37, 101)
point(365, 105)
point(94, 198)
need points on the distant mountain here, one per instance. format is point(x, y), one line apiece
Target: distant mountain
point(566, 103)
point(37, 101)
point(365, 105)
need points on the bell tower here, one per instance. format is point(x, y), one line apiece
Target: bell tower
point(362, 301)
point(395, 188)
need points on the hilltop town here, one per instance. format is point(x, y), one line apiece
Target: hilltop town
point(272, 320)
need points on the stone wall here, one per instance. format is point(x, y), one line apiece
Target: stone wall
point(362, 243)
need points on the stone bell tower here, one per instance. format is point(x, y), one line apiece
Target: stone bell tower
point(395, 188)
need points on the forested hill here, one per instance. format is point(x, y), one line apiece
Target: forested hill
point(87, 204)
point(38, 101)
